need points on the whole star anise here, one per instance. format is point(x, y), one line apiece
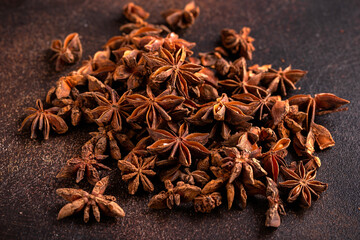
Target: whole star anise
point(87, 164)
point(279, 79)
point(302, 184)
point(79, 199)
point(43, 119)
point(175, 70)
point(153, 109)
point(111, 111)
point(181, 144)
point(135, 169)
point(70, 52)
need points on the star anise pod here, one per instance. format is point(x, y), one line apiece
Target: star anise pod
point(275, 156)
point(198, 176)
point(279, 79)
point(106, 138)
point(179, 74)
point(287, 119)
point(260, 103)
point(174, 195)
point(135, 13)
point(111, 111)
point(243, 169)
point(182, 144)
point(153, 109)
point(302, 184)
point(206, 202)
point(64, 86)
point(182, 18)
point(135, 169)
point(70, 52)
point(42, 119)
point(276, 206)
point(87, 164)
point(241, 81)
point(225, 113)
point(79, 200)
point(238, 43)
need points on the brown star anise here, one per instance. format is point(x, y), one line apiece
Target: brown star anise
point(70, 52)
point(238, 43)
point(181, 75)
point(86, 163)
point(174, 195)
point(276, 206)
point(135, 169)
point(112, 110)
point(278, 80)
point(153, 109)
point(225, 113)
point(43, 119)
point(274, 157)
point(182, 18)
point(259, 102)
point(79, 199)
point(135, 13)
point(302, 184)
point(206, 202)
point(181, 144)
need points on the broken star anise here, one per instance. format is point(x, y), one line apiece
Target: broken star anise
point(182, 18)
point(238, 43)
point(174, 195)
point(70, 52)
point(135, 13)
point(79, 199)
point(43, 119)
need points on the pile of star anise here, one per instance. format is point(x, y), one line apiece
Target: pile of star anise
point(212, 129)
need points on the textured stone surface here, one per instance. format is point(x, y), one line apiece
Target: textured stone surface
point(322, 37)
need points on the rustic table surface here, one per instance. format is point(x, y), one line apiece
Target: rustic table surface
point(322, 37)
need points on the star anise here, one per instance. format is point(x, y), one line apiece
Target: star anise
point(259, 102)
point(179, 73)
point(106, 138)
point(153, 109)
point(302, 184)
point(225, 113)
point(238, 43)
point(276, 206)
point(174, 195)
point(87, 164)
point(275, 156)
point(242, 82)
point(198, 176)
point(79, 199)
point(135, 169)
point(111, 111)
point(182, 18)
point(135, 13)
point(70, 52)
point(181, 144)
point(278, 80)
point(243, 169)
point(206, 202)
point(42, 119)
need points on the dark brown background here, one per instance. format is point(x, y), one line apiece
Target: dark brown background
point(322, 37)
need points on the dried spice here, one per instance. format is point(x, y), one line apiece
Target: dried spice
point(182, 18)
point(69, 52)
point(209, 128)
point(79, 200)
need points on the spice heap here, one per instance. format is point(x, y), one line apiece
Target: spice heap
point(212, 129)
